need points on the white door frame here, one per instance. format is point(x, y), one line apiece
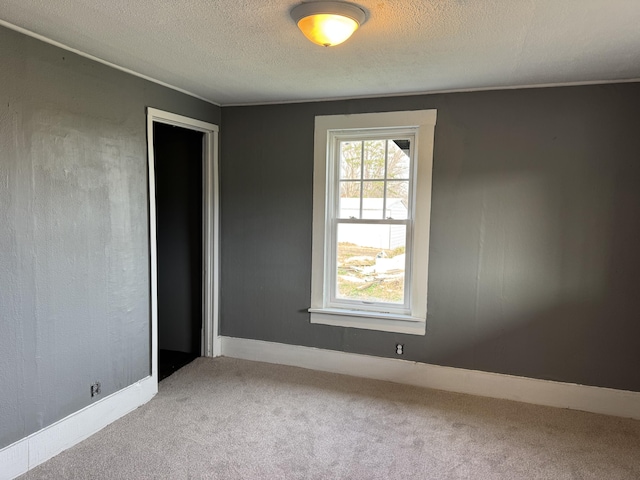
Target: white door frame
point(211, 232)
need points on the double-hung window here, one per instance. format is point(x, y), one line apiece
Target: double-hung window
point(372, 202)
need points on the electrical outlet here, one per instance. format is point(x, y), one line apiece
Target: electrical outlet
point(399, 348)
point(95, 389)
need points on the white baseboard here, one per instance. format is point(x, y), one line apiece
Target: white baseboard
point(40, 446)
point(35, 449)
point(607, 401)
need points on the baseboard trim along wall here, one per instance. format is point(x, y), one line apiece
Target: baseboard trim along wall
point(607, 401)
point(44, 444)
point(40, 446)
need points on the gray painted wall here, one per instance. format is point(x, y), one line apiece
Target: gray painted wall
point(534, 261)
point(74, 281)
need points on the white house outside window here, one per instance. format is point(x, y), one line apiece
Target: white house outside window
point(372, 192)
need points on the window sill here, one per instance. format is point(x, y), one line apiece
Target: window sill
point(383, 322)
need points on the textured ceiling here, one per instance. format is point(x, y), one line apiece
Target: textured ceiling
point(250, 51)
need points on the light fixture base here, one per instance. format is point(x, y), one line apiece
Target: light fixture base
point(344, 9)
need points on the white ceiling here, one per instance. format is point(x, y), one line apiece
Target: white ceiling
point(250, 51)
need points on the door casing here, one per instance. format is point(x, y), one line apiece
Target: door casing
point(211, 346)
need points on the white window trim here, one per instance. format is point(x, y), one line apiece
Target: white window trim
point(415, 322)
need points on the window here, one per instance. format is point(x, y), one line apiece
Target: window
point(372, 202)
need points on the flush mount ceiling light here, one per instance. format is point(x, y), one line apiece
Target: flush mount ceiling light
point(328, 23)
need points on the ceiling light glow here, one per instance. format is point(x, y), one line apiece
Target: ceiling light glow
point(328, 23)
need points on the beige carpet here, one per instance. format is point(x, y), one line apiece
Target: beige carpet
point(234, 419)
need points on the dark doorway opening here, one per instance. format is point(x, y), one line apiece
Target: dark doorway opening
point(178, 159)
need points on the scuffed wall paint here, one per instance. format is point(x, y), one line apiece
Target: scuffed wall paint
point(74, 282)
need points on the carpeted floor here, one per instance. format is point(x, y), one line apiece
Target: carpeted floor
point(235, 419)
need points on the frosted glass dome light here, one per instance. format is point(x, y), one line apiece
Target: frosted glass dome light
point(328, 23)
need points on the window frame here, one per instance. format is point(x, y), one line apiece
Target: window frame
point(420, 123)
point(332, 192)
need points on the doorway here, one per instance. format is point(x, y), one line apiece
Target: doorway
point(179, 180)
point(183, 212)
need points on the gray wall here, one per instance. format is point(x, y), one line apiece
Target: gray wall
point(535, 234)
point(74, 267)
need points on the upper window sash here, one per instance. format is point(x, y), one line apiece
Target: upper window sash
point(337, 138)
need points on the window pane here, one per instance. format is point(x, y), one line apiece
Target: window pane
point(370, 262)
point(397, 200)
point(399, 162)
point(373, 161)
point(349, 200)
point(372, 200)
point(350, 159)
